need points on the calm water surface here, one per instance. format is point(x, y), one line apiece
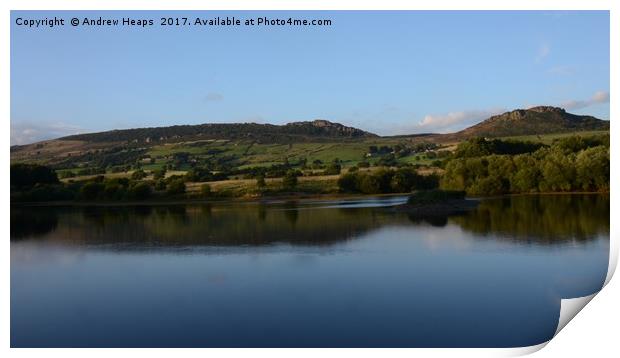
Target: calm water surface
point(315, 274)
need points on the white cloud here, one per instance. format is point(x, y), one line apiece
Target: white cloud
point(454, 121)
point(213, 97)
point(543, 51)
point(598, 97)
point(601, 97)
point(30, 132)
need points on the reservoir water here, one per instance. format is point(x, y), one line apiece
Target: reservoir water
point(347, 273)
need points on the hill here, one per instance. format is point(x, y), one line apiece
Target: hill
point(536, 120)
point(251, 144)
point(290, 132)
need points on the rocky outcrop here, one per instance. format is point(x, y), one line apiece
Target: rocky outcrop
point(536, 120)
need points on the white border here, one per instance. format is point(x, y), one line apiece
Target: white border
point(603, 321)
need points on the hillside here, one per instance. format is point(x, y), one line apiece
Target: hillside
point(536, 120)
point(291, 132)
point(251, 144)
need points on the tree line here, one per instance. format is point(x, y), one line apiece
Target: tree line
point(569, 164)
point(401, 180)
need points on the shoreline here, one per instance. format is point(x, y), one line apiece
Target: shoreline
point(268, 199)
point(244, 200)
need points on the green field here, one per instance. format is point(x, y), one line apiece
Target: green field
point(243, 154)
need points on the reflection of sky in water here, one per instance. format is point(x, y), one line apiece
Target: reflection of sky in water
point(399, 283)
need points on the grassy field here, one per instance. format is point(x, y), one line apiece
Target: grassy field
point(326, 184)
point(245, 154)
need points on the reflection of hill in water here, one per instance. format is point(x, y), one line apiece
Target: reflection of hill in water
point(527, 219)
point(209, 225)
point(540, 218)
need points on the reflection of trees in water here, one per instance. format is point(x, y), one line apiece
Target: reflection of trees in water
point(262, 212)
point(546, 219)
point(206, 210)
point(32, 222)
point(215, 225)
point(540, 218)
point(291, 215)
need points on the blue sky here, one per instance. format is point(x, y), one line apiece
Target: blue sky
point(386, 72)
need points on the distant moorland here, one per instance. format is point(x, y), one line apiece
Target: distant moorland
point(542, 149)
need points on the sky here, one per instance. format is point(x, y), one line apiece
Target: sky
point(382, 71)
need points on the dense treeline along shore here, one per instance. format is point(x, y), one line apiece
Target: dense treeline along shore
point(316, 158)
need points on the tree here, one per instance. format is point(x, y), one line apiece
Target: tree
point(403, 180)
point(526, 176)
point(139, 191)
point(138, 174)
point(384, 176)
point(347, 183)
point(558, 172)
point(333, 169)
point(27, 175)
point(159, 174)
point(317, 164)
point(592, 169)
point(199, 174)
point(205, 190)
point(114, 190)
point(160, 185)
point(175, 187)
point(290, 179)
point(91, 190)
point(260, 181)
point(456, 176)
point(370, 184)
point(492, 185)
